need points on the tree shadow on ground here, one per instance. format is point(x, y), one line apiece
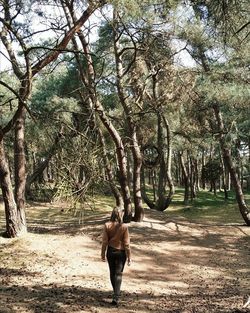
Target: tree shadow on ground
point(61, 299)
point(191, 245)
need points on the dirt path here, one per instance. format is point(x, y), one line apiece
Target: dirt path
point(178, 267)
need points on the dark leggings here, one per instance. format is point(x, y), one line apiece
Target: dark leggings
point(116, 260)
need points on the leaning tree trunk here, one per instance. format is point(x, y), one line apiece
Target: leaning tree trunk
point(229, 164)
point(225, 150)
point(19, 116)
point(14, 223)
point(136, 152)
point(88, 79)
point(121, 158)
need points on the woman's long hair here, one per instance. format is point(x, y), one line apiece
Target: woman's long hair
point(117, 215)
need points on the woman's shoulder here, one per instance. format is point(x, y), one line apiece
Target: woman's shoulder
point(109, 224)
point(124, 226)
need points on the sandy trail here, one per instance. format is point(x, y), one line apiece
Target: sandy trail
point(178, 267)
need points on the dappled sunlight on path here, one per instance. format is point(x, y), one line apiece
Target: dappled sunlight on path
point(178, 266)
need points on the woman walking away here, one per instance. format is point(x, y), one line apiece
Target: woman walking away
point(116, 241)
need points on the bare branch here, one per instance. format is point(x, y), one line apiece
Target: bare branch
point(23, 103)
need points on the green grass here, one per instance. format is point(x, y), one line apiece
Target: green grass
point(207, 207)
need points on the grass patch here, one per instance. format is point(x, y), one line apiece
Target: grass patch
point(207, 207)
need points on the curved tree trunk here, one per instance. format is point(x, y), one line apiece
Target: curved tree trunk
point(225, 150)
point(165, 177)
point(229, 164)
point(19, 116)
point(121, 158)
point(162, 201)
point(150, 203)
point(136, 152)
point(88, 79)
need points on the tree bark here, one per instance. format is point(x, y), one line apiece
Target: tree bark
point(121, 158)
point(108, 169)
point(18, 118)
point(89, 81)
point(224, 185)
point(136, 152)
point(161, 201)
point(20, 164)
point(169, 161)
point(248, 167)
point(225, 150)
point(15, 219)
point(203, 162)
point(186, 180)
point(228, 162)
point(150, 203)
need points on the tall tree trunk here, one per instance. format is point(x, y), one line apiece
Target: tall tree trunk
point(225, 150)
point(161, 134)
point(228, 162)
point(139, 210)
point(18, 118)
point(186, 179)
point(203, 161)
point(20, 168)
point(248, 167)
point(88, 79)
point(192, 178)
point(224, 178)
point(121, 158)
point(136, 152)
point(154, 184)
point(177, 169)
point(14, 220)
point(169, 161)
point(196, 178)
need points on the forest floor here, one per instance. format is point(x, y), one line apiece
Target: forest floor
point(179, 265)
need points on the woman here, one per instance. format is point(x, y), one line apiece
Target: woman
point(116, 241)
